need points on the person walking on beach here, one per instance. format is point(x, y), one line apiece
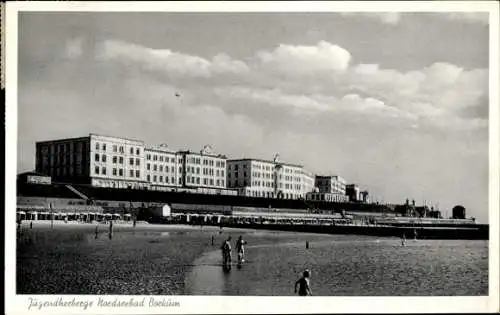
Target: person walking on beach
point(240, 249)
point(226, 251)
point(304, 284)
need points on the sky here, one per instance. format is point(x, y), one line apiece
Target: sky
point(394, 102)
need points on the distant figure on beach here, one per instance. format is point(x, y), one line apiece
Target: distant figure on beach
point(415, 234)
point(226, 251)
point(240, 248)
point(304, 284)
point(403, 240)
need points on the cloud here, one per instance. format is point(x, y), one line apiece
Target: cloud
point(74, 47)
point(167, 61)
point(298, 59)
point(310, 80)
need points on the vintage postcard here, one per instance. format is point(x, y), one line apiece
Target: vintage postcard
point(251, 157)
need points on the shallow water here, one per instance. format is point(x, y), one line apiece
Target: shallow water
point(183, 260)
point(350, 266)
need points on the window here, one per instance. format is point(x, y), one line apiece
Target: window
point(114, 159)
point(97, 169)
point(166, 168)
point(148, 167)
point(121, 159)
point(104, 157)
point(131, 172)
point(197, 170)
point(148, 178)
point(217, 183)
point(131, 161)
point(115, 148)
point(154, 178)
point(161, 168)
point(104, 171)
point(198, 180)
point(114, 171)
point(137, 151)
point(121, 149)
point(211, 181)
point(166, 179)
point(217, 173)
point(205, 181)
point(97, 145)
point(167, 159)
point(155, 167)
point(137, 174)
point(173, 180)
point(131, 150)
point(137, 162)
point(161, 179)
point(104, 146)
point(120, 172)
point(161, 158)
point(148, 157)
point(97, 157)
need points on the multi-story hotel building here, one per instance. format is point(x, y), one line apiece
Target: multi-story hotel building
point(269, 179)
point(352, 190)
point(204, 170)
point(104, 161)
point(308, 182)
point(163, 168)
point(331, 184)
point(97, 160)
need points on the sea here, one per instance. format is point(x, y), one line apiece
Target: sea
point(348, 266)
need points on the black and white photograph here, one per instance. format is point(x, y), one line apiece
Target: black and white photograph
point(161, 156)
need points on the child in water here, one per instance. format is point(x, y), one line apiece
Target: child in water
point(303, 283)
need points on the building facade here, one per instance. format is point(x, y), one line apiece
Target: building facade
point(326, 197)
point(365, 196)
point(163, 168)
point(308, 183)
point(331, 184)
point(352, 190)
point(204, 170)
point(98, 160)
point(267, 179)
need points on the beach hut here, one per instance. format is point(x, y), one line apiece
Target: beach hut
point(117, 216)
point(21, 215)
point(128, 217)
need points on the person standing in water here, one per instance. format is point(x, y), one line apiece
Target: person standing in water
point(240, 249)
point(226, 251)
point(403, 240)
point(304, 284)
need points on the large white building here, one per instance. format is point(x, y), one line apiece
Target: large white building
point(269, 179)
point(331, 184)
point(204, 170)
point(97, 160)
point(163, 168)
point(104, 161)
